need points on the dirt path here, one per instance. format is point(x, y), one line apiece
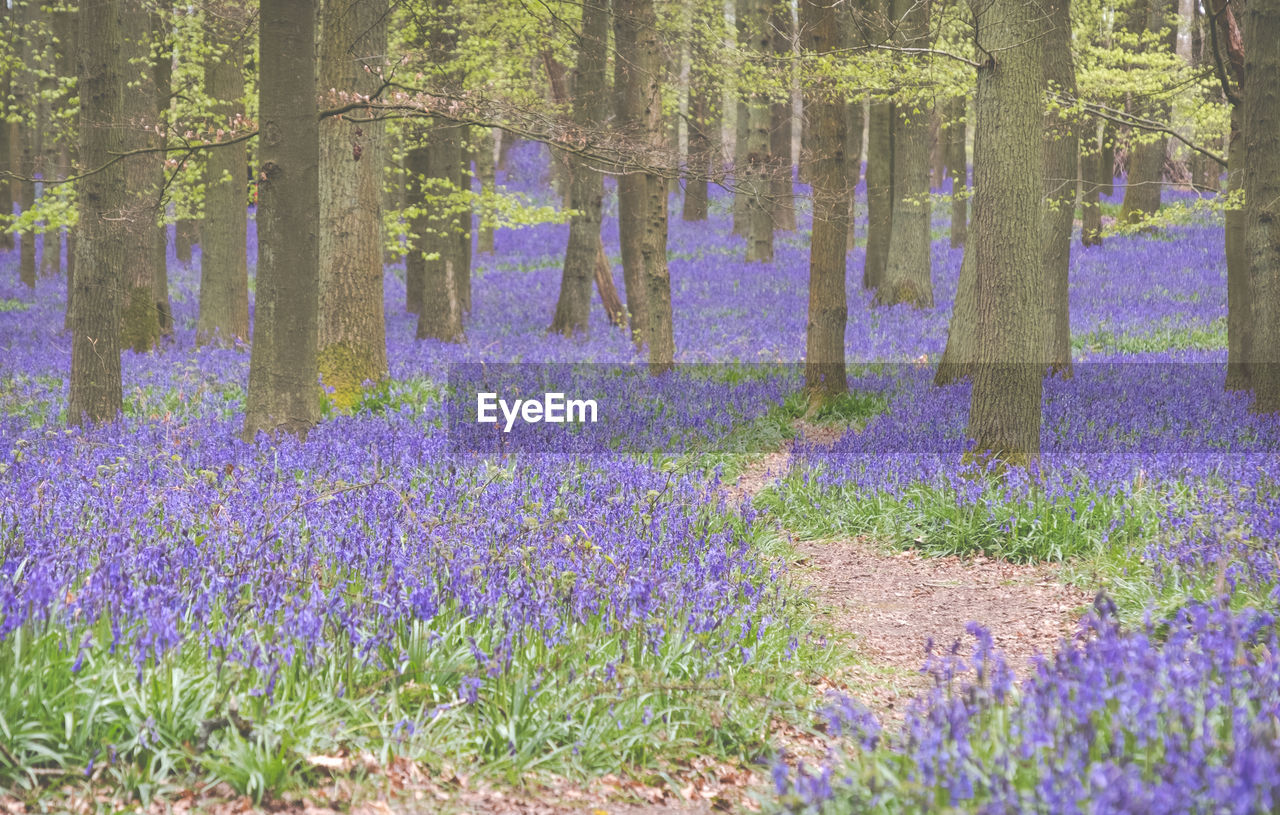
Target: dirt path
point(891, 603)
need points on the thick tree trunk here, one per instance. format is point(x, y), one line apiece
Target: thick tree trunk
point(908, 270)
point(828, 136)
point(1092, 178)
point(958, 169)
point(96, 392)
point(1261, 129)
point(352, 342)
point(1239, 284)
point(632, 192)
point(586, 191)
point(224, 276)
point(1146, 159)
point(144, 174)
point(1004, 410)
point(283, 394)
point(781, 31)
point(959, 355)
point(879, 192)
point(1060, 153)
point(642, 92)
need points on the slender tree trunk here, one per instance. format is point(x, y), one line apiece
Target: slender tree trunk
point(586, 192)
point(186, 236)
point(958, 170)
point(704, 116)
point(143, 176)
point(96, 393)
point(1146, 158)
point(6, 141)
point(1004, 410)
point(1261, 130)
point(1107, 162)
point(632, 192)
point(1061, 149)
point(879, 192)
point(440, 312)
point(642, 92)
point(283, 394)
point(162, 72)
point(959, 355)
point(352, 343)
point(485, 168)
point(937, 148)
point(853, 162)
point(224, 275)
point(24, 15)
point(1240, 313)
point(1092, 178)
point(756, 177)
point(417, 167)
point(781, 30)
point(828, 135)
point(908, 270)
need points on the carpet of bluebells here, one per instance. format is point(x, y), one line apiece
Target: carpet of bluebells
point(177, 604)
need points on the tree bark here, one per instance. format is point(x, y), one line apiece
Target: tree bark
point(632, 193)
point(96, 394)
point(1061, 149)
point(1093, 176)
point(144, 175)
point(879, 192)
point(1004, 409)
point(853, 162)
point(704, 117)
point(440, 312)
point(1146, 159)
point(756, 176)
point(586, 184)
point(186, 236)
point(6, 142)
point(352, 342)
point(283, 393)
point(827, 130)
point(642, 91)
point(224, 275)
point(162, 73)
point(24, 15)
point(1261, 130)
point(417, 165)
point(958, 169)
point(485, 168)
point(908, 268)
point(781, 31)
point(1240, 315)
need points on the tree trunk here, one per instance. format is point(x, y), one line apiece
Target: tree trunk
point(224, 276)
point(485, 168)
point(1146, 158)
point(632, 193)
point(908, 270)
point(704, 116)
point(937, 148)
point(352, 342)
point(1239, 283)
point(1004, 410)
point(283, 395)
point(186, 236)
point(24, 16)
point(781, 31)
point(6, 143)
point(756, 177)
point(959, 355)
point(1061, 149)
point(1261, 130)
point(417, 165)
point(1093, 176)
point(879, 192)
point(958, 169)
point(642, 91)
point(440, 312)
point(828, 136)
point(96, 392)
point(162, 72)
point(1107, 162)
point(144, 175)
point(586, 191)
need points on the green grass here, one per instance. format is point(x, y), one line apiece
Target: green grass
point(1208, 338)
